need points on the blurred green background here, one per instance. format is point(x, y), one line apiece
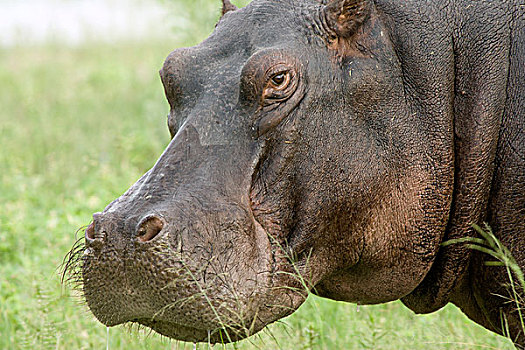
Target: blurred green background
point(79, 123)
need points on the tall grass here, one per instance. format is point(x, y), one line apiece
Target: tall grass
point(490, 245)
point(77, 127)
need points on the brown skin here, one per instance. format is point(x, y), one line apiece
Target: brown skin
point(329, 147)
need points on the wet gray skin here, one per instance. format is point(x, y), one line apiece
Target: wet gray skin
point(329, 147)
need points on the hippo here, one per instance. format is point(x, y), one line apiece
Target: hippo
point(328, 147)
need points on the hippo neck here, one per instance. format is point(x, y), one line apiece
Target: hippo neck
point(480, 84)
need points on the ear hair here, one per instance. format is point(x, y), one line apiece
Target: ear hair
point(344, 17)
point(227, 6)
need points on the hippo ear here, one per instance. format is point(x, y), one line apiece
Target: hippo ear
point(343, 17)
point(227, 6)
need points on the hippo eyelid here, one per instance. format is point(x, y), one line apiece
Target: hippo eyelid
point(262, 64)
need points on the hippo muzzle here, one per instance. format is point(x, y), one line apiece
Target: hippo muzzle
point(180, 289)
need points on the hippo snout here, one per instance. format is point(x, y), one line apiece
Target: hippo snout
point(182, 273)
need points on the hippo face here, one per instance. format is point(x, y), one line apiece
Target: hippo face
point(297, 163)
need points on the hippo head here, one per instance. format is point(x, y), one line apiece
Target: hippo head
point(296, 163)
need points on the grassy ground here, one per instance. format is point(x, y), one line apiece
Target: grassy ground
point(77, 127)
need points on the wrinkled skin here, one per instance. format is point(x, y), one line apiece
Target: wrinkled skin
point(329, 147)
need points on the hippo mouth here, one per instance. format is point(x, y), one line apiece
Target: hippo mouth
point(178, 331)
point(191, 334)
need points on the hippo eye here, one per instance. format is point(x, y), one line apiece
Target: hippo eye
point(279, 79)
point(280, 86)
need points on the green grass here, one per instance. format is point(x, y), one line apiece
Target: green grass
point(77, 128)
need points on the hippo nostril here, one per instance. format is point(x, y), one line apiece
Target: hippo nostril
point(149, 228)
point(90, 232)
point(94, 235)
